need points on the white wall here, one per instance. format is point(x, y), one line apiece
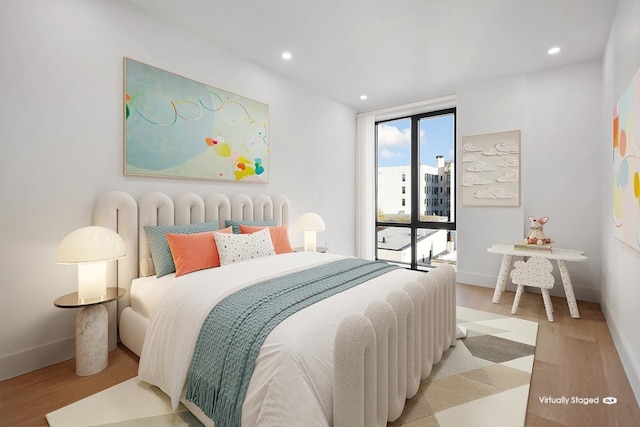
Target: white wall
point(621, 264)
point(558, 113)
point(487, 107)
point(61, 145)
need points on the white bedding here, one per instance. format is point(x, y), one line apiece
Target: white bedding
point(292, 380)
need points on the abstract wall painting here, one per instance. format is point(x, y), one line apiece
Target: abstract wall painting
point(626, 165)
point(179, 128)
point(491, 169)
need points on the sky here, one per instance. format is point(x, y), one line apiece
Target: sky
point(436, 138)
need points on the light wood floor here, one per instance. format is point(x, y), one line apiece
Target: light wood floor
point(574, 357)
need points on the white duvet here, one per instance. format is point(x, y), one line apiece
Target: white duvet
point(292, 380)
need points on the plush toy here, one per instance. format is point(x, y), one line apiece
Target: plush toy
point(536, 233)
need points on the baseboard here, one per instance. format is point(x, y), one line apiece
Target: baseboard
point(582, 294)
point(29, 360)
point(629, 361)
point(22, 362)
point(489, 281)
point(484, 280)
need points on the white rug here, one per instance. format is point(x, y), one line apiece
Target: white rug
point(132, 403)
point(482, 381)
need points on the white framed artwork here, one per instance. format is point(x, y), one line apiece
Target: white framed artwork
point(490, 166)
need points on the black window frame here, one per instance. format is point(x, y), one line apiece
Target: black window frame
point(414, 179)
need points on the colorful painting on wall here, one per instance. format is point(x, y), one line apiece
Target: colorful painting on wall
point(491, 169)
point(626, 165)
point(179, 128)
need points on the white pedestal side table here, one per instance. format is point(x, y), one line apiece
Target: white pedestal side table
point(92, 325)
point(560, 255)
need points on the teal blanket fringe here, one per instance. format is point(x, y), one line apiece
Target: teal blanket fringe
point(232, 334)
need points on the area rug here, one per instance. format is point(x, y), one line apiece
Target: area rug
point(481, 381)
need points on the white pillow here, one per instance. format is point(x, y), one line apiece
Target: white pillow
point(240, 247)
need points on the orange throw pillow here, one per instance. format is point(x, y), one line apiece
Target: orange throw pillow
point(279, 237)
point(192, 252)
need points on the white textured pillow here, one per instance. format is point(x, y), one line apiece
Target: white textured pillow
point(240, 247)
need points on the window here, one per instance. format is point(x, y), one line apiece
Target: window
point(420, 149)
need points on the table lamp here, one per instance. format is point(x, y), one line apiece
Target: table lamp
point(91, 247)
point(310, 223)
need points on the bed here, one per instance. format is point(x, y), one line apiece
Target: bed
point(351, 358)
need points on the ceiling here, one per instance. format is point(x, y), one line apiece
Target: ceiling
point(399, 51)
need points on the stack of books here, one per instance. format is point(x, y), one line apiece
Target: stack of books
point(532, 247)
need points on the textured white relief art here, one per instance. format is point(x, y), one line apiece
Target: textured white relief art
point(491, 169)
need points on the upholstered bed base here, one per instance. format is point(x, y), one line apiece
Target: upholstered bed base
point(133, 327)
point(381, 356)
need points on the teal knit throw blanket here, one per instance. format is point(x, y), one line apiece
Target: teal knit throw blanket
point(233, 332)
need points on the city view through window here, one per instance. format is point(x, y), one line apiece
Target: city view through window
point(416, 189)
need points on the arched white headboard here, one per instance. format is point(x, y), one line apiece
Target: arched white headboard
point(120, 212)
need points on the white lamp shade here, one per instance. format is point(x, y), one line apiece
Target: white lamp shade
point(90, 244)
point(91, 247)
point(310, 222)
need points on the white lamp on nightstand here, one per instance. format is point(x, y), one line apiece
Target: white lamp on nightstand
point(91, 247)
point(310, 223)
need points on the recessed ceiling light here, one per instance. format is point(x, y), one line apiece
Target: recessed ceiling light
point(553, 50)
point(286, 55)
point(363, 97)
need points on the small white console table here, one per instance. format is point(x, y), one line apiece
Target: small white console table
point(560, 255)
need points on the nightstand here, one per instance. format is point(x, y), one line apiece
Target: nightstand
point(92, 324)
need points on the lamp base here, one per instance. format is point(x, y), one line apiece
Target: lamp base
point(92, 281)
point(309, 241)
